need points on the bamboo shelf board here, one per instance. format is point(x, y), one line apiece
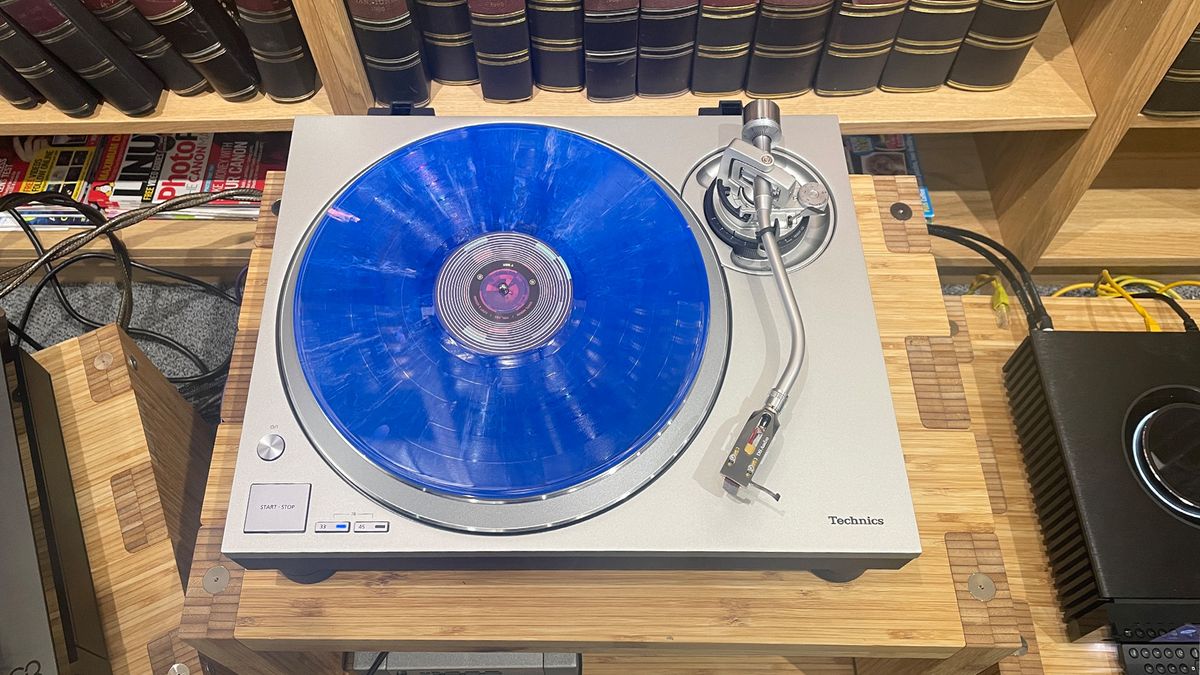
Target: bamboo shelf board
point(1017, 526)
point(1049, 93)
point(1146, 122)
point(175, 114)
point(135, 450)
point(921, 612)
point(220, 247)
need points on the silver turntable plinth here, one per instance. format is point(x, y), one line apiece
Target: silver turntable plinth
point(304, 504)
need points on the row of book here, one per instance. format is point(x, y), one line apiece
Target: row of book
point(123, 172)
point(618, 49)
point(76, 53)
point(1178, 95)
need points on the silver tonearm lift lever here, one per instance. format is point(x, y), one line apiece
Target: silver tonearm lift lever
point(748, 163)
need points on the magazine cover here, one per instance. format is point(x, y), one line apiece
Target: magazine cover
point(139, 170)
point(47, 163)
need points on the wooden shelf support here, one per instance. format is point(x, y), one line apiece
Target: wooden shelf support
point(1038, 178)
point(326, 25)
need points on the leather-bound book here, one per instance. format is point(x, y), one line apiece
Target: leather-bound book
point(724, 32)
point(449, 46)
point(610, 43)
point(209, 39)
point(997, 43)
point(390, 44)
point(122, 18)
point(930, 35)
point(80, 41)
point(15, 90)
point(787, 47)
point(861, 34)
point(54, 81)
point(556, 43)
point(1178, 95)
point(502, 49)
point(279, 49)
point(666, 40)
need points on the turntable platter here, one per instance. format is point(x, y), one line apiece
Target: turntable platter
point(482, 329)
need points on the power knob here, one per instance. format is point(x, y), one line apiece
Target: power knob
point(270, 447)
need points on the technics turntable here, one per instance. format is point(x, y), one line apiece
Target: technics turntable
point(499, 343)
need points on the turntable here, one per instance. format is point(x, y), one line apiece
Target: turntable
point(580, 342)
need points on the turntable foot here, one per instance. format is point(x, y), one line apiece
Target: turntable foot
point(306, 576)
point(839, 576)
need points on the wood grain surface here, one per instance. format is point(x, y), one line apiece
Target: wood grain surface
point(175, 114)
point(668, 622)
point(134, 447)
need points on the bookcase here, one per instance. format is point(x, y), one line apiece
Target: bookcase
point(1060, 166)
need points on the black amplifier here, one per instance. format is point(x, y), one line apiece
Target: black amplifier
point(1109, 425)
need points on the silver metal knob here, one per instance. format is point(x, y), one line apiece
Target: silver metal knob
point(813, 196)
point(270, 447)
point(760, 118)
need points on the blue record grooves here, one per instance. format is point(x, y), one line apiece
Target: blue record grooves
point(461, 421)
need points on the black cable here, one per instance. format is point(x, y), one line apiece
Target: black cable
point(15, 276)
point(23, 336)
point(1018, 289)
point(378, 663)
point(120, 253)
point(91, 323)
point(1043, 319)
point(1189, 324)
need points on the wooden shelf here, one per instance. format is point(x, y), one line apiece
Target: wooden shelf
point(1141, 213)
point(214, 248)
point(175, 114)
point(1049, 93)
point(1144, 122)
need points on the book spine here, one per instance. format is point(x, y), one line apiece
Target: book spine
point(861, 34)
point(206, 36)
point(927, 43)
point(1178, 95)
point(666, 40)
point(787, 47)
point(279, 49)
point(610, 44)
point(120, 17)
point(556, 43)
point(501, 33)
point(15, 90)
point(449, 46)
point(54, 81)
point(997, 43)
point(82, 43)
point(724, 32)
point(390, 44)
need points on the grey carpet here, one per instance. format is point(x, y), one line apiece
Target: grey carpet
point(199, 321)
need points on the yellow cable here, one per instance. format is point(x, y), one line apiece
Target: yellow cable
point(1151, 324)
point(1073, 287)
point(1185, 282)
point(1153, 284)
point(1000, 299)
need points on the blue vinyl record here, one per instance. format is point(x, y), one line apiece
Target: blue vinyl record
point(501, 311)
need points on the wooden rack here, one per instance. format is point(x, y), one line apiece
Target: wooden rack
point(1029, 164)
